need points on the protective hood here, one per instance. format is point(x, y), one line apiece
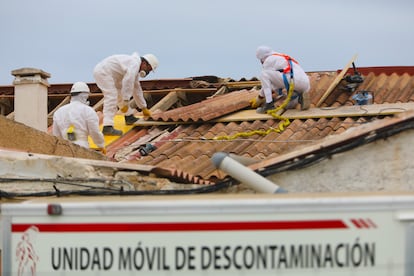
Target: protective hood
point(81, 97)
point(137, 56)
point(263, 52)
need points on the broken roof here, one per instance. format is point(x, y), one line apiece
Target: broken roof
point(186, 136)
point(194, 118)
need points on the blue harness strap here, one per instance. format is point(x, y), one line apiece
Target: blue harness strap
point(285, 79)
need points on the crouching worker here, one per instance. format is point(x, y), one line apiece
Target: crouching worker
point(276, 76)
point(77, 120)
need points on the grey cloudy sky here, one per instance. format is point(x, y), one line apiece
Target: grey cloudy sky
point(195, 38)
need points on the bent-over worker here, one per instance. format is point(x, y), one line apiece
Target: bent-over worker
point(118, 78)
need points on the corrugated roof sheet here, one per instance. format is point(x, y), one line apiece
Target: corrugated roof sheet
point(185, 153)
point(208, 109)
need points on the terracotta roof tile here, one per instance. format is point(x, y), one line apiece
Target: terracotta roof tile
point(184, 149)
point(186, 154)
point(320, 83)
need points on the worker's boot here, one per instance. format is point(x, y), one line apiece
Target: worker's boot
point(110, 131)
point(130, 119)
point(265, 107)
point(304, 100)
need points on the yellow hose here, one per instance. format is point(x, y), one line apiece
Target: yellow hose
point(281, 127)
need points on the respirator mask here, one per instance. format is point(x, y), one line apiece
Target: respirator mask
point(82, 97)
point(142, 74)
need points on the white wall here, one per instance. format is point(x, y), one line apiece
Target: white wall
point(383, 165)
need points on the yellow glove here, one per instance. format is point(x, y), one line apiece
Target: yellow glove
point(146, 112)
point(124, 106)
point(102, 150)
point(256, 102)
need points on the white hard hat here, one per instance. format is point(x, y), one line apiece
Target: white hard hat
point(152, 60)
point(263, 52)
point(79, 87)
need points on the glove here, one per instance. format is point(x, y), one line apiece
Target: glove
point(256, 102)
point(124, 106)
point(102, 150)
point(146, 112)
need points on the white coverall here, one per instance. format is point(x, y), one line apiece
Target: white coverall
point(272, 79)
point(118, 78)
point(83, 118)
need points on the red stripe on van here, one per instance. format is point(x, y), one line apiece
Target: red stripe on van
point(184, 226)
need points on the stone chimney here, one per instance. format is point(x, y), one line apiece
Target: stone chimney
point(30, 97)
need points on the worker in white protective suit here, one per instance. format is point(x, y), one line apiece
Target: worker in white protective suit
point(118, 78)
point(77, 120)
point(277, 73)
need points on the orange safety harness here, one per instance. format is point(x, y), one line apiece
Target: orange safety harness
point(289, 60)
point(288, 68)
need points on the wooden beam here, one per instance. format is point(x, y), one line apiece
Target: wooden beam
point(242, 84)
point(166, 102)
point(62, 103)
point(98, 105)
point(10, 116)
point(221, 91)
point(6, 96)
point(336, 81)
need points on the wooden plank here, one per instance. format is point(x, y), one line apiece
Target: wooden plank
point(349, 111)
point(244, 115)
point(336, 81)
point(343, 111)
point(312, 113)
point(242, 84)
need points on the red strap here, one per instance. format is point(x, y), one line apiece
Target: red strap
point(287, 69)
